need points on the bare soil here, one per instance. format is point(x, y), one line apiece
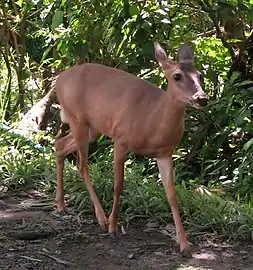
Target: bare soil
point(34, 236)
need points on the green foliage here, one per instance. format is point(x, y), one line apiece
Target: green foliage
point(216, 214)
point(217, 147)
point(220, 148)
point(22, 165)
point(143, 196)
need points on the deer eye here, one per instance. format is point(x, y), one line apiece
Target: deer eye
point(177, 77)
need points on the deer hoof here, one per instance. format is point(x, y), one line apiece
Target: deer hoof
point(104, 227)
point(61, 209)
point(113, 236)
point(186, 253)
point(62, 212)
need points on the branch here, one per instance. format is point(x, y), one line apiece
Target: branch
point(15, 7)
point(8, 30)
point(239, 56)
point(35, 12)
point(7, 16)
point(204, 7)
point(21, 62)
point(8, 84)
point(244, 44)
point(207, 33)
point(221, 36)
point(171, 17)
point(212, 14)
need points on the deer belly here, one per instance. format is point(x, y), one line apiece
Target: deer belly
point(148, 147)
point(155, 152)
point(145, 139)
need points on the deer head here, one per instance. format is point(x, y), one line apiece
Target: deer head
point(184, 80)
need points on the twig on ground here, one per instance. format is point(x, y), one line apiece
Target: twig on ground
point(56, 259)
point(30, 258)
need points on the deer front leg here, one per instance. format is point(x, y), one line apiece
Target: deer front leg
point(119, 160)
point(165, 166)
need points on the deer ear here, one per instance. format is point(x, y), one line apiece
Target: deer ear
point(185, 54)
point(160, 54)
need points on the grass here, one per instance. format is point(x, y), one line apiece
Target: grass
point(143, 195)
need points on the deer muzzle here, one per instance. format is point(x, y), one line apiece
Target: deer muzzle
point(200, 98)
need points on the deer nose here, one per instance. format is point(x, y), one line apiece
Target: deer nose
point(202, 101)
point(201, 98)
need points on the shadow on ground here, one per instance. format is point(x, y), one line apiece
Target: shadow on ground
point(34, 236)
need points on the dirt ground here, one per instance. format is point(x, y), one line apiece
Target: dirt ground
point(34, 236)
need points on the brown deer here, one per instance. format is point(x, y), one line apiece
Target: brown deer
point(138, 116)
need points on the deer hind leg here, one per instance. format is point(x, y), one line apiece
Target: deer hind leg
point(81, 134)
point(165, 166)
point(119, 160)
point(63, 147)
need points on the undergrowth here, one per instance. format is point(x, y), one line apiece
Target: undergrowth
point(143, 195)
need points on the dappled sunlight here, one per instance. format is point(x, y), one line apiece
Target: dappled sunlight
point(212, 259)
point(212, 161)
point(12, 215)
point(76, 239)
point(205, 256)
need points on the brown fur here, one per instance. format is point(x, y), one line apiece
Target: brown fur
point(138, 116)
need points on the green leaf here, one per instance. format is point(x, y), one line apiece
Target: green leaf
point(250, 14)
point(46, 52)
point(243, 114)
point(57, 19)
point(234, 76)
point(46, 11)
point(28, 6)
point(19, 3)
point(25, 74)
point(81, 49)
point(134, 10)
point(248, 144)
point(244, 83)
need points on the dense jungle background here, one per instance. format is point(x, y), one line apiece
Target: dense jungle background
point(214, 161)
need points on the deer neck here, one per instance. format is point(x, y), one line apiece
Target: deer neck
point(166, 126)
point(174, 110)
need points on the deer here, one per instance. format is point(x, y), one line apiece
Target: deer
point(139, 117)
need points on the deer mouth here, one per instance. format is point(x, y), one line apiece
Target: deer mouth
point(196, 105)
